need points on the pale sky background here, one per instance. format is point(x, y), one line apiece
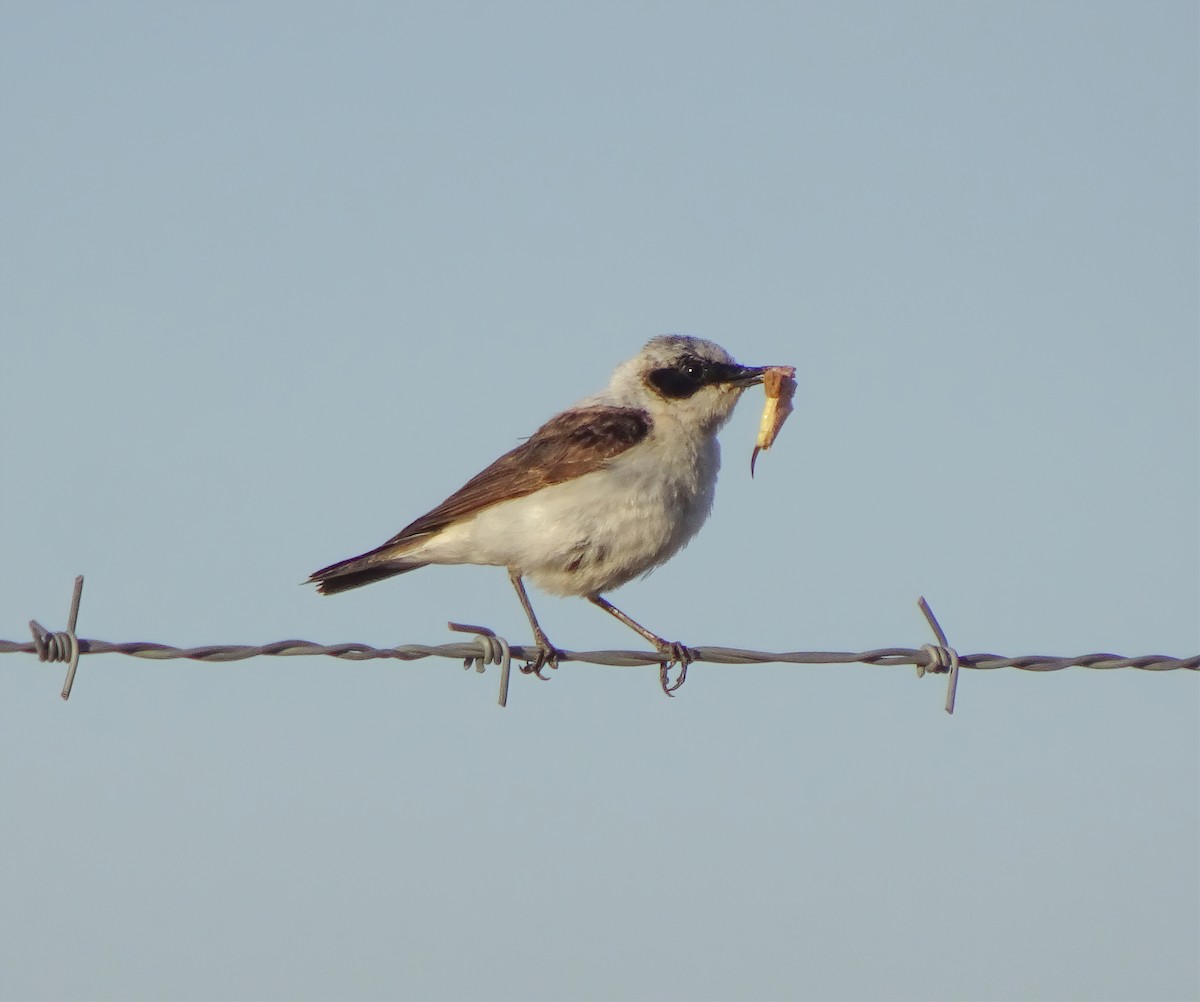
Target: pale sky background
point(279, 277)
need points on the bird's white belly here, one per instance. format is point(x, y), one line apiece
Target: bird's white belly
point(597, 532)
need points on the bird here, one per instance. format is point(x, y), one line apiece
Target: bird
point(600, 494)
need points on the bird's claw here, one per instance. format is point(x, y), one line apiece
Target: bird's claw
point(547, 657)
point(675, 654)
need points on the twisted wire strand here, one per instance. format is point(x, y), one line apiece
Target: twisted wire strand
point(488, 648)
point(53, 645)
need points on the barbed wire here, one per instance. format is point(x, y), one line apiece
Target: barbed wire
point(487, 648)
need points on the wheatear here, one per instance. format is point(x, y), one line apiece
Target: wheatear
point(597, 496)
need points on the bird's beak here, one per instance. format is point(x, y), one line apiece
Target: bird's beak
point(740, 375)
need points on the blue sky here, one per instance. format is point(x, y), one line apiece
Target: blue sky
point(277, 278)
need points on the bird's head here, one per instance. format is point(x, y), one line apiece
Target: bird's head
point(685, 379)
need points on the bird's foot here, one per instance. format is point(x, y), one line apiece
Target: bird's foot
point(547, 657)
point(674, 654)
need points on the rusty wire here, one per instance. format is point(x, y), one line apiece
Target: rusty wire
point(487, 648)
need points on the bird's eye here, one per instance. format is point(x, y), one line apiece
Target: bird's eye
point(680, 380)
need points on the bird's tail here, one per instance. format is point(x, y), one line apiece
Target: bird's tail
point(374, 565)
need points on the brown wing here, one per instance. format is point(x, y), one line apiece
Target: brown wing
point(567, 446)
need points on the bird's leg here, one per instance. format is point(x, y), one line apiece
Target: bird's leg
point(547, 654)
point(673, 653)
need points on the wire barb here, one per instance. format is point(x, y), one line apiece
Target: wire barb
point(495, 652)
point(62, 646)
point(942, 657)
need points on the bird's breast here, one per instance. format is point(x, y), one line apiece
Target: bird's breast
point(598, 532)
